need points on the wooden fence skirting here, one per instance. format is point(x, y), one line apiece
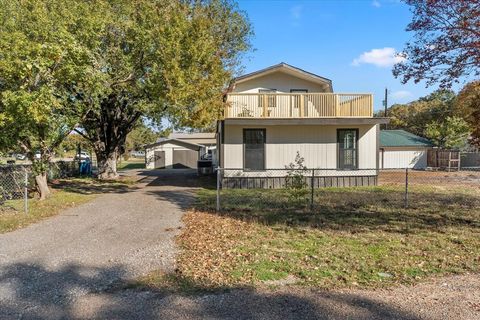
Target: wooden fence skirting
point(280, 182)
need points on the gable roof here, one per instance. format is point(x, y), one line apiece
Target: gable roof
point(402, 138)
point(288, 69)
point(195, 135)
point(182, 143)
point(203, 138)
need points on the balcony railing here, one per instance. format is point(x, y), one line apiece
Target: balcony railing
point(298, 105)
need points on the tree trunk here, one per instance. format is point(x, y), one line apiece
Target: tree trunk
point(107, 129)
point(42, 185)
point(107, 165)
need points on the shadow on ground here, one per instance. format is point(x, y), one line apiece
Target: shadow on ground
point(92, 186)
point(184, 178)
point(31, 291)
point(178, 186)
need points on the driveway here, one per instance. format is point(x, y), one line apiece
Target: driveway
point(46, 267)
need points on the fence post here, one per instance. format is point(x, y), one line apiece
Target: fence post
point(406, 188)
point(312, 187)
point(218, 189)
point(25, 192)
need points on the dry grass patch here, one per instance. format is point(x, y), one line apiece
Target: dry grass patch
point(353, 238)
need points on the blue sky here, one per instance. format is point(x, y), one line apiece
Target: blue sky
point(350, 42)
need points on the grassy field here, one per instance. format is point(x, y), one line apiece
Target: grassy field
point(358, 237)
point(66, 193)
point(132, 163)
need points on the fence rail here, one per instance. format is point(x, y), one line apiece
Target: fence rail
point(298, 105)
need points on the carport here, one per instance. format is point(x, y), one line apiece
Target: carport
point(173, 153)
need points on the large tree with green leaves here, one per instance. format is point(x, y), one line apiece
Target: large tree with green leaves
point(156, 59)
point(101, 65)
point(40, 61)
point(450, 133)
point(416, 115)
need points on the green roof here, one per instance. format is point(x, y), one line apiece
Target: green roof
point(402, 138)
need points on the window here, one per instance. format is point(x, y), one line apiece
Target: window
point(347, 140)
point(254, 149)
point(296, 99)
point(271, 99)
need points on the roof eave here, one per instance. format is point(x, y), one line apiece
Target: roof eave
point(313, 76)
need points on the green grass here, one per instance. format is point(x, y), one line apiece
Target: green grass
point(133, 163)
point(353, 237)
point(66, 193)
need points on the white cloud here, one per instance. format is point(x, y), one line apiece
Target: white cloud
point(385, 57)
point(296, 12)
point(401, 95)
point(376, 4)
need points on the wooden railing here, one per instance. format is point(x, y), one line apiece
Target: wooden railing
point(298, 105)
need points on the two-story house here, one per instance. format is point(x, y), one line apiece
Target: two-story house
point(274, 113)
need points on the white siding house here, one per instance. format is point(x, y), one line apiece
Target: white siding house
point(281, 111)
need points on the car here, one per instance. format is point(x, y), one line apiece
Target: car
point(82, 156)
point(20, 156)
point(137, 154)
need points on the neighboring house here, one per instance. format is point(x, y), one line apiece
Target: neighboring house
point(402, 149)
point(276, 112)
point(179, 150)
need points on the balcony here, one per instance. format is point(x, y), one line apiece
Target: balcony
point(298, 105)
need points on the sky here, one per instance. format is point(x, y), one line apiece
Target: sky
point(351, 42)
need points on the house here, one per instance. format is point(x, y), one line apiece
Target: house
point(274, 113)
point(179, 150)
point(402, 149)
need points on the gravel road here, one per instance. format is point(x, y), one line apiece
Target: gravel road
point(69, 267)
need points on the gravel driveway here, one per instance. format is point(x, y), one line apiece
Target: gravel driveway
point(68, 267)
point(90, 248)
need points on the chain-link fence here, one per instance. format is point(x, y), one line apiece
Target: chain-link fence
point(364, 191)
point(14, 184)
point(17, 183)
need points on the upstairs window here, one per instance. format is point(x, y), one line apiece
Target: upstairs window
point(271, 98)
point(296, 98)
point(347, 140)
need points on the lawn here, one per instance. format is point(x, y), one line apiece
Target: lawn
point(356, 237)
point(66, 193)
point(132, 163)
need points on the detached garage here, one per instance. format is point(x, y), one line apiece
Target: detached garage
point(173, 153)
point(402, 149)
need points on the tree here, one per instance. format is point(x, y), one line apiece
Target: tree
point(451, 133)
point(467, 106)
point(446, 42)
point(155, 59)
point(416, 115)
point(39, 60)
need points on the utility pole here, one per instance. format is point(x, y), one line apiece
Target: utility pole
point(385, 103)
